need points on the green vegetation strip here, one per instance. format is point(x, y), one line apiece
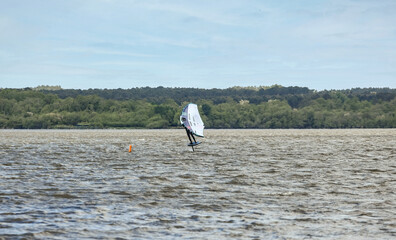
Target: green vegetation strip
point(237, 107)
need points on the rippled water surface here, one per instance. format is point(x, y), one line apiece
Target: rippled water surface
point(238, 184)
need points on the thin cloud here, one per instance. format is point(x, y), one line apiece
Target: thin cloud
point(207, 12)
point(98, 51)
point(350, 21)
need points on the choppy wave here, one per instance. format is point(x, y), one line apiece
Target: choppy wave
point(243, 184)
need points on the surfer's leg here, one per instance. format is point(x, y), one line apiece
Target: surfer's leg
point(193, 137)
point(188, 134)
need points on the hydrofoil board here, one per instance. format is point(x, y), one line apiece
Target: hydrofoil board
point(193, 144)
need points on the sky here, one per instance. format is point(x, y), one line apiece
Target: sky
point(82, 44)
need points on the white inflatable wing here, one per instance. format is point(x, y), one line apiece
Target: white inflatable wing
point(191, 120)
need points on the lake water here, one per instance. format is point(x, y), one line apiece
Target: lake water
point(238, 184)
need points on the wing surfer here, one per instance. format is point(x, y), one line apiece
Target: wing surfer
point(192, 122)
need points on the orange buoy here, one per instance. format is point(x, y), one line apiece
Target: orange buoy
point(130, 148)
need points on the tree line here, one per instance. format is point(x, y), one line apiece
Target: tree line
point(237, 107)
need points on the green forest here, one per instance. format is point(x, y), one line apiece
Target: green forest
point(46, 107)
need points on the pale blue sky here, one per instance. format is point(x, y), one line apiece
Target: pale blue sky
point(329, 44)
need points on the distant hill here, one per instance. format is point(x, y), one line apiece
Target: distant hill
point(179, 95)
